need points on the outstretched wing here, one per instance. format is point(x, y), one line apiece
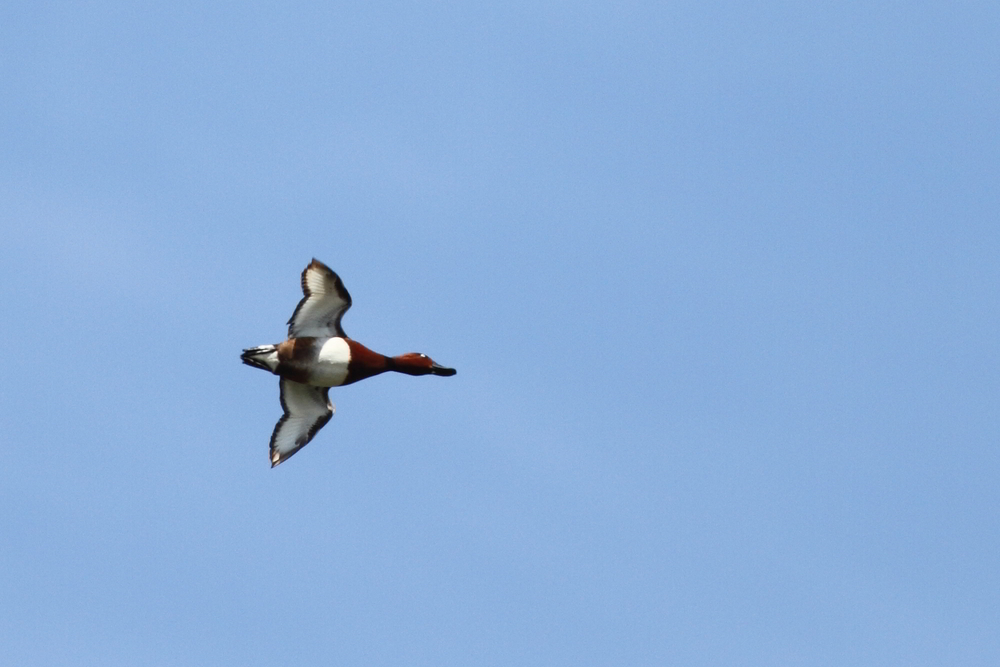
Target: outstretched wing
point(307, 410)
point(325, 302)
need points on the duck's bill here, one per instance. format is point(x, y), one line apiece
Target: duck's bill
point(442, 370)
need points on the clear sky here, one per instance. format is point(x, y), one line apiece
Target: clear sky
point(720, 280)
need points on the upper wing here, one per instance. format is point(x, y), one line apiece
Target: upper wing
point(307, 410)
point(325, 302)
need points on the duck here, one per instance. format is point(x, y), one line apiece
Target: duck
point(318, 355)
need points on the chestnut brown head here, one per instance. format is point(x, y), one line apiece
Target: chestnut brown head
point(415, 363)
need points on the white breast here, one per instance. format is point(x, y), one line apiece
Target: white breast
point(331, 364)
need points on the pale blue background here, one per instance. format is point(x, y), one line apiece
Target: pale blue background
point(720, 281)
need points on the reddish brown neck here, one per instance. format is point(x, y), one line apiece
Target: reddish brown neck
point(365, 363)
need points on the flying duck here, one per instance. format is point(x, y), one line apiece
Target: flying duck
point(319, 355)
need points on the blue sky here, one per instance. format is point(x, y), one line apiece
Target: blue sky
point(719, 279)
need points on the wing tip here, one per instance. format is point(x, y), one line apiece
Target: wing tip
point(278, 457)
point(317, 265)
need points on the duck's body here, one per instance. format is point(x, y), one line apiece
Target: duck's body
point(319, 355)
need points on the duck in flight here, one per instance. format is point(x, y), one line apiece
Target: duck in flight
point(319, 355)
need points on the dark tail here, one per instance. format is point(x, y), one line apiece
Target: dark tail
point(264, 357)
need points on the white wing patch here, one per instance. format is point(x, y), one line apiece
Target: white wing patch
point(307, 410)
point(324, 304)
point(332, 363)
